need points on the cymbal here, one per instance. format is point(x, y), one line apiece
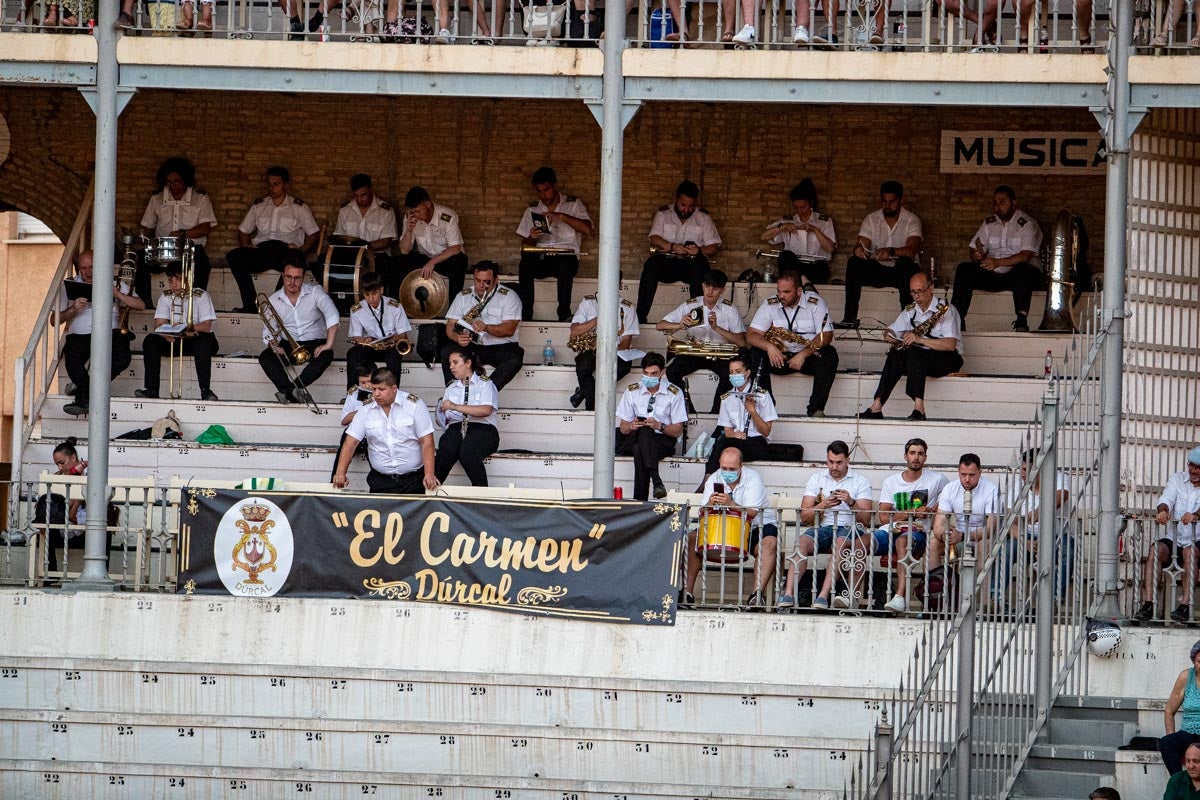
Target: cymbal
point(345, 240)
point(424, 298)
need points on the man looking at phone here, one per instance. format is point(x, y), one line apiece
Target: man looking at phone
point(735, 488)
point(650, 417)
point(682, 238)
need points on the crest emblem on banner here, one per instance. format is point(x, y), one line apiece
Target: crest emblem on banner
point(254, 548)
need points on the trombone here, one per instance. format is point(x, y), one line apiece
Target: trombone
point(187, 301)
point(278, 336)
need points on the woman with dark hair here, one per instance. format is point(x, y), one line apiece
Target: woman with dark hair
point(54, 509)
point(177, 209)
point(467, 411)
point(806, 239)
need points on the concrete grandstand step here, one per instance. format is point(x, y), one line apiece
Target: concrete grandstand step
point(960, 397)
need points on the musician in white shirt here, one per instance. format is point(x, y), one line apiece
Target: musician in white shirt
point(807, 239)
point(497, 313)
point(585, 321)
point(560, 224)
point(707, 319)
point(746, 417)
point(685, 238)
point(432, 240)
point(467, 412)
point(312, 320)
point(650, 417)
point(952, 524)
point(172, 309)
point(886, 252)
point(177, 209)
point(926, 343)
point(1178, 509)
point(373, 319)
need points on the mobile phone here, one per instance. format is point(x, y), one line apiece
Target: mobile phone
point(363, 394)
point(640, 419)
point(718, 488)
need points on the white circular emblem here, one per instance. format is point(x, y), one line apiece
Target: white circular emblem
point(253, 548)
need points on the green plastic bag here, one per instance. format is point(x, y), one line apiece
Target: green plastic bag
point(215, 434)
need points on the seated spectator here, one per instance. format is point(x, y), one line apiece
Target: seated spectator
point(1185, 784)
point(1176, 510)
point(1170, 22)
point(807, 239)
point(952, 525)
point(806, 18)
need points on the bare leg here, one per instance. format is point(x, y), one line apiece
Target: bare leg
point(764, 562)
point(693, 564)
point(1151, 569)
point(838, 560)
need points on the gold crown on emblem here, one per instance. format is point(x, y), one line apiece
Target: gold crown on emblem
point(254, 512)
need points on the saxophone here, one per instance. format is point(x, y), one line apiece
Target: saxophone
point(923, 328)
point(780, 336)
point(586, 342)
point(468, 319)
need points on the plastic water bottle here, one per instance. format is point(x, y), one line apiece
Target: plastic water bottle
point(548, 354)
point(1049, 363)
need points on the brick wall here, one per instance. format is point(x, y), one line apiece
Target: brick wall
point(476, 156)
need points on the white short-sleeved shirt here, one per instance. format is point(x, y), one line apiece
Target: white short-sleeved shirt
point(393, 438)
point(378, 223)
point(561, 234)
point(734, 416)
point(750, 492)
point(480, 392)
point(165, 214)
point(627, 321)
point(950, 325)
point(309, 318)
point(727, 318)
point(665, 405)
point(378, 323)
point(1062, 483)
point(985, 501)
point(173, 307)
point(1001, 239)
point(699, 228)
point(352, 405)
point(438, 235)
point(876, 230)
point(822, 484)
point(81, 323)
point(289, 222)
point(1180, 497)
point(805, 243)
point(928, 483)
point(809, 317)
point(504, 306)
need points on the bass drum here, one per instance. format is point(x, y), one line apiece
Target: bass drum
point(344, 265)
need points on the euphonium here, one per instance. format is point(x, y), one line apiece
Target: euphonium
point(688, 346)
point(278, 332)
point(1063, 249)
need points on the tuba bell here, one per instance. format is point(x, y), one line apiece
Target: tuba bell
point(1062, 250)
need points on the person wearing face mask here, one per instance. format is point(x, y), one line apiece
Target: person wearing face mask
point(735, 486)
point(650, 417)
point(806, 239)
point(745, 417)
point(683, 238)
point(467, 412)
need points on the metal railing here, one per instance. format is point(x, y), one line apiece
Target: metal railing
point(1011, 626)
point(912, 25)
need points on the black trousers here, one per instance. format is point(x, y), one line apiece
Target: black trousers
point(201, 347)
point(505, 358)
point(246, 261)
point(1021, 280)
point(77, 351)
point(454, 268)
point(661, 268)
point(918, 364)
point(406, 483)
point(680, 367)
point(810, 271)
point(360, 355)
point(480, 442)
point(754, 448)
point(823, 370)
point(141, 278)
point(585, 373)
point(647, 448)
point(56, 542)
point(862, 272)
point(361, 449)
point(313, 370)
point(1172, 747)
point(534, 266)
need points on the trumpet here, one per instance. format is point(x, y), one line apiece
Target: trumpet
point(549, 251)
point(123, 277)
point(186, 299)
point(277, 334)
point(402, 345)
point(760, 253)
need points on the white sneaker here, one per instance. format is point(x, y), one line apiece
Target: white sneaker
point(841, 601)
point(443, 37)
point(745, 35)
point(897, 604)
point(800, 35)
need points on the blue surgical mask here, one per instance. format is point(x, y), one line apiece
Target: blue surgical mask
point(729, 476)
point(649, 382)
point(737, 379)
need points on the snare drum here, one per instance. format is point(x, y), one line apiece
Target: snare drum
point(723, 535)
point(343, 266)
point(167, 249)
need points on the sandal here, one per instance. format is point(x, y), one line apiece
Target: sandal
point(671, 37)
point(69, 21)
point(727, 36)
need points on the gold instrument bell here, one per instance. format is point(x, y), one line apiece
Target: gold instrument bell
point(425, 298)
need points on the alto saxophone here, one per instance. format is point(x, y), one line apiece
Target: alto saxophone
point(468, 319)
point(923, 328)
point(403, 346)
point(584, 342)
point(782, 336)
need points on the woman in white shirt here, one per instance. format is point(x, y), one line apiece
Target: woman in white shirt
point(467, 411)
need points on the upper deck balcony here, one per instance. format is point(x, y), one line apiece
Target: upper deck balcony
point(915, 53)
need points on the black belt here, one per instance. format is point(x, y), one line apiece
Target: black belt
point(397, 475)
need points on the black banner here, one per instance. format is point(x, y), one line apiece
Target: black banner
point(605, 560)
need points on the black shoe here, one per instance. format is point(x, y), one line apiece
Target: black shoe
point(245, 310)
point(1145, 613)
point(577, 398)
point(816, 413)
point(660, 491)
point(145, 393)
point(301, 395)
point(209, 395)
point(75, 409)
point(847, 324)
point(1021, 324)
point(687, 600)
point(869, 414)
point(314, 22)
point(755, 601)
point(297, 33)
point(916, 416)
point(809, 286)
point(1182, 613)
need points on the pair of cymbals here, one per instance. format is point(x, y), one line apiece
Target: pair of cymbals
point(424, 298)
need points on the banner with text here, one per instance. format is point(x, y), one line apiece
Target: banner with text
point(1035, 152)
point(604, 560)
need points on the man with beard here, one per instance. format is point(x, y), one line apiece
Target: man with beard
point(886, 254)
point(684, 238)
point(1004, 258)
